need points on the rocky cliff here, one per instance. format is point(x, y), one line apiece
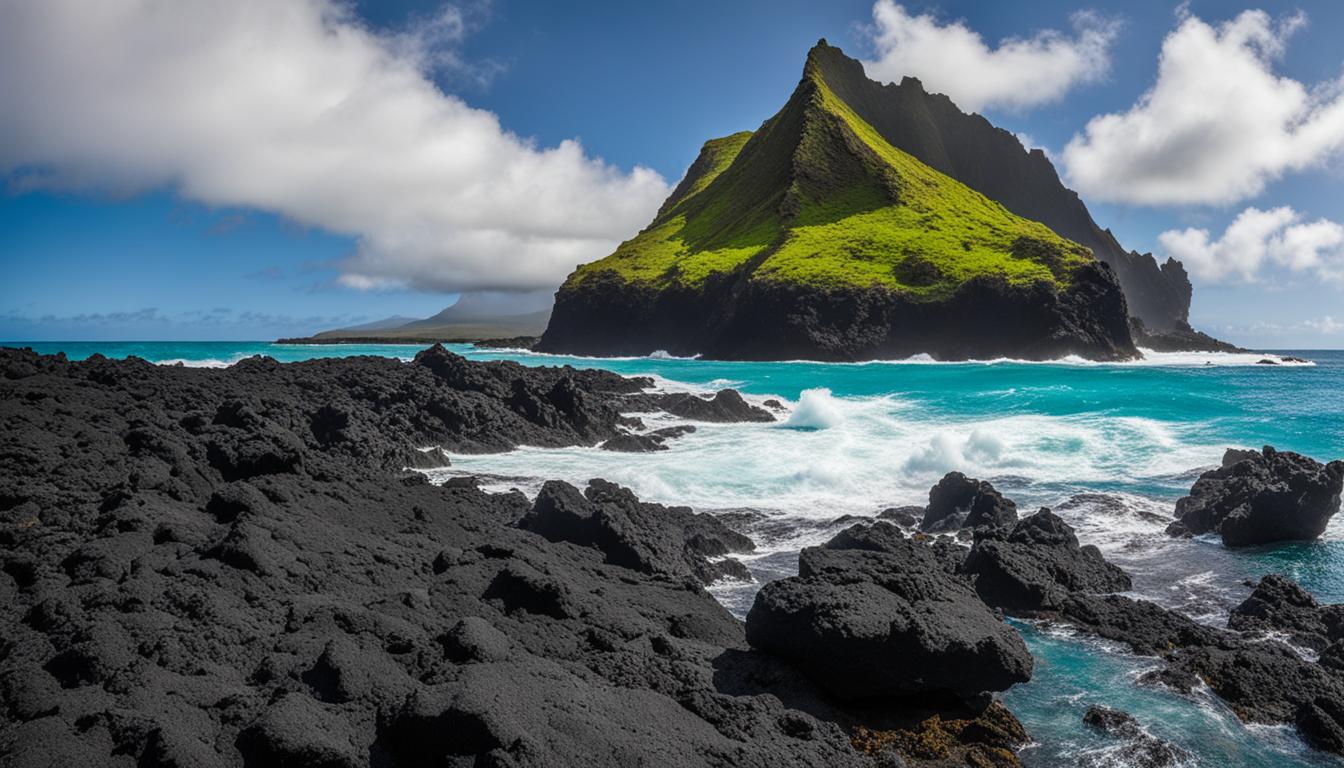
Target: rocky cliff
point(816, 237)
point(991, 160)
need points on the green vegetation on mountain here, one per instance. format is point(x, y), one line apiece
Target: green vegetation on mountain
point(817, 197)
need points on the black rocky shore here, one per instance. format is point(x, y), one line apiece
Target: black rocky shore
point(235, 567)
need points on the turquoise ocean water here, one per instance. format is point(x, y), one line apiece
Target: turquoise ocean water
point(1109, 447)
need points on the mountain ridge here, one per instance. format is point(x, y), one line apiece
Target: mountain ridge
point(992, 160)
point(818, 238)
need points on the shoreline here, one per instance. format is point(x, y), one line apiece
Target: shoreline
point(272, 501)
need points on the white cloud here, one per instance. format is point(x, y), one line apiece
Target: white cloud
point(953, 59)
point(1257, 239)
point(1216, 126)
point(295, 107)
point(1327, 325)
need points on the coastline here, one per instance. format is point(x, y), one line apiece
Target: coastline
point(244, 475)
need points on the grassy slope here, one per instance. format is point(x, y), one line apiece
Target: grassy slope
point(818, 197)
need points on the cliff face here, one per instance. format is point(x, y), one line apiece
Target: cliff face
point(734, 317)
point(992, 161)
point(815, 237)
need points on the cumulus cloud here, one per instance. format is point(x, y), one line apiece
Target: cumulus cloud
point(1257, 239)
point(1217, 125)
point(297, 108)
point(954, 59)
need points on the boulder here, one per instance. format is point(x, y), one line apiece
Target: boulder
point(1278, 604)
point(906, 517)
point(650, 538)
point(1260, 498)
point(1138, 749)
point(875, 625)
point(1037, 564)
point(647, 442)
point(958, 501)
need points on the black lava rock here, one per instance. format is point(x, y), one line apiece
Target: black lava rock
point(1279, 604)
point(1259, 498)
point(1037, 564)
point(650, 538)
point(958, 501)
point(224, 567)
point(874, 625)
point(1138, 750)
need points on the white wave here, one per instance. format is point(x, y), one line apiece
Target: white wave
point(816, 409)
point(663, 354)
point(858, 455)
point(209, 362)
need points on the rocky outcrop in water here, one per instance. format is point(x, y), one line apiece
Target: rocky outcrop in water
point(1138, 748)
point(958, 501)
point(1278, 604)
point(883, 620)
point(1178, 338)
point(726, 406)
point(1261, 497)
point(1037, 565)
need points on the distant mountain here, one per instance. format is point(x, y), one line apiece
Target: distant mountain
point(473, 317)
point(472, 309)
point(816, 237)
point(386, 323)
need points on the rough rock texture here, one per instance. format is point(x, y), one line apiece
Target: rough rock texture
point(986, 737)
point(654, 440)
point(732, 317)
point(228, 568)
point(668, 541)
point(1178, 338)
point(726, 406)
point(1139, 749)
point(1146, 627)
point(1278, 604)
point(885, 621)
point(1259, 498)
point(1038, 565)
point(958, 501)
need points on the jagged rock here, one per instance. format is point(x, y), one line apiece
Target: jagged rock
point(879, 536)
point(650, 538)
point(1140, 749)
point(958, 501)
point(1259, 498)
point(906, 517)
point(474, 639)
point(157, 612)
point(1279, 604)
point(726, 406)
point(646, 443)
point(1264, 682)
point(1145, 627)
point(634, 444)
point(872, 625)
point(1038, 565)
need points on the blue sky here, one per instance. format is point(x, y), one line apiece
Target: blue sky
point(103, 240)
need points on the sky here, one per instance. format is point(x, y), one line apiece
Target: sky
point(255, 169)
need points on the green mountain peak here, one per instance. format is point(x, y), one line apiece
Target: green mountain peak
point(817, 197)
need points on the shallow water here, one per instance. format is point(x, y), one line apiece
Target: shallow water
point(1108, 446)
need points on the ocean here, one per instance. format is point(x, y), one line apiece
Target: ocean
point(1109, 447)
